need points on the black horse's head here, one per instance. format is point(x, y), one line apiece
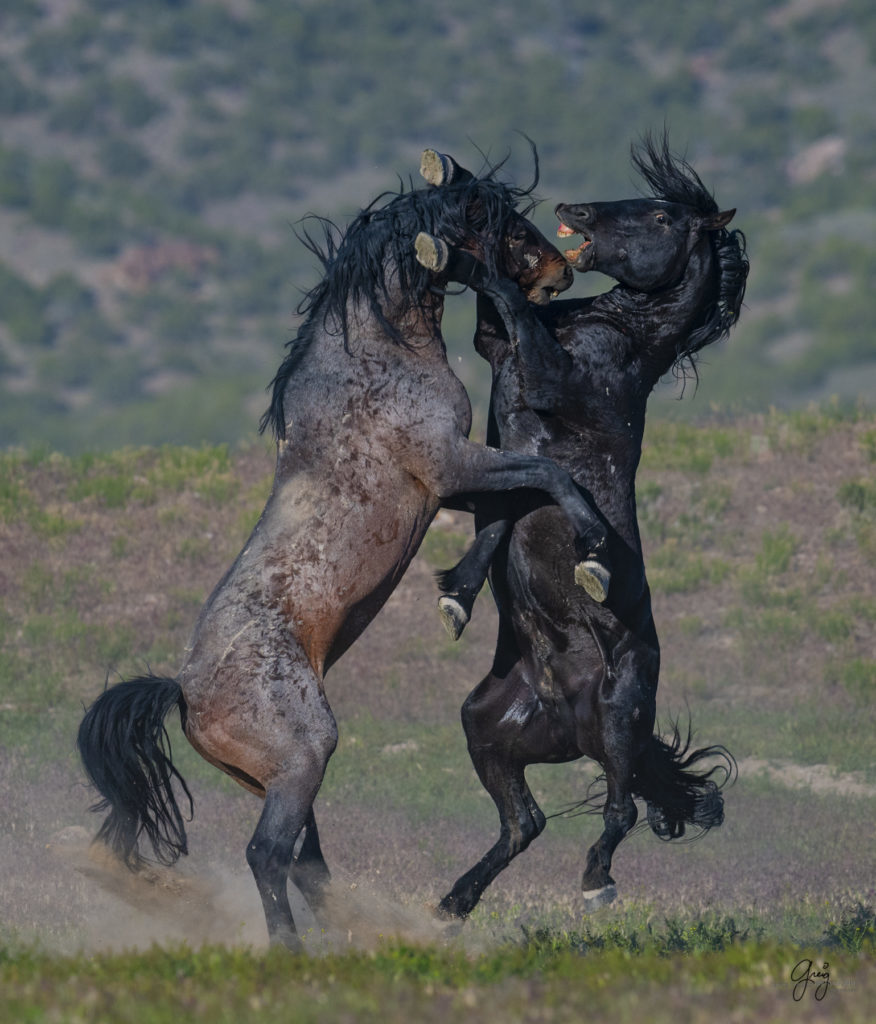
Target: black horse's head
point(646, 244)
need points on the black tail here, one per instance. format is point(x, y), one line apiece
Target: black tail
point(126, 752)
point(676, 793)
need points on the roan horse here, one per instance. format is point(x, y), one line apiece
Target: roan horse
point(570, 677)
point(372, 437)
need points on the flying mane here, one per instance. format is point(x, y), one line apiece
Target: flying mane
point(373, 263)
point(673, 180)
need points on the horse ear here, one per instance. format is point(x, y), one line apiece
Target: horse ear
point(718, 220)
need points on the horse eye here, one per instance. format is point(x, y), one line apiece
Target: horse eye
point(661, 218)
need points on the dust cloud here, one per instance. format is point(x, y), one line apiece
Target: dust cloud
point(168, 905)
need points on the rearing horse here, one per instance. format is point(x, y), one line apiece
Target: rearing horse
point(572, 678)
point(372, 432)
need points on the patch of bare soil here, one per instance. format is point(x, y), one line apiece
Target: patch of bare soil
point(819, 778)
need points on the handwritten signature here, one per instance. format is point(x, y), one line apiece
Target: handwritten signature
point(804, 975)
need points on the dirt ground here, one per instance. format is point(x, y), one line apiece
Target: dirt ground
point(796, 837)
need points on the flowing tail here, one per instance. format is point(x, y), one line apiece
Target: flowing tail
point(126, 753)
point(676, 792)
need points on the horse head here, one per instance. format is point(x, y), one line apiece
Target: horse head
point(644, 244)
point(489, 227)
point(675, 241)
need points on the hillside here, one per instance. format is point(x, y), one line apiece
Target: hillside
point(760, 539)
point(155, 158)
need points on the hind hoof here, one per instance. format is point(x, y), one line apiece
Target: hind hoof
point(594, 578)
point(432, 253)
point(596, 898)
point(453, 616)
point(436, 168)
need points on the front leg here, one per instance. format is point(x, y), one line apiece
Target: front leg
point(460, 585)
point(544, 366)
point(473, 469)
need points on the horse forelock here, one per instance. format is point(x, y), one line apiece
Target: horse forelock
point(670, 177)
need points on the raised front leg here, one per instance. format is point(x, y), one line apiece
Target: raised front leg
point(477, 470)
point(460, 585)
point(543, 364)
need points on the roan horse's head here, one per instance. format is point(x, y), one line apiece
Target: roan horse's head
point(494, 231)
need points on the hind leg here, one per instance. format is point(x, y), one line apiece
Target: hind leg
point(495, 717)
point(622, 727)
point(619, 816)
point(288, 809)
point(261, 713)
point(310, 873)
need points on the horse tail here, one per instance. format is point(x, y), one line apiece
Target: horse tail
point(126, 753)
point(677, 790)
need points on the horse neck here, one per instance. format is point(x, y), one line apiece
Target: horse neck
point(662, 321)
point(418, 327)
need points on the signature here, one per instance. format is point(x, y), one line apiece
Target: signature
point(804, 975)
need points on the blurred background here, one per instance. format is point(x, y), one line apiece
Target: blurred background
point(155, 158)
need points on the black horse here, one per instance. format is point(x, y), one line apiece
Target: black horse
point(570, 677)
point(372, 432)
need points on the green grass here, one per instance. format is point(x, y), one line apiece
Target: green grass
point(611, 971)
point(803, 731)
point(683, 446)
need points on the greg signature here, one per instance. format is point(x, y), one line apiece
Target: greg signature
point(804, 975)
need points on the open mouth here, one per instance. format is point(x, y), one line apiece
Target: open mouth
point(575, 256)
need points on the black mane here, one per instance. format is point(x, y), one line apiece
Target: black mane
point(673, 180)
point(374, 263)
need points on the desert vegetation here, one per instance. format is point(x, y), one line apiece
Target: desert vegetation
point(131, 134)
point(759, 532)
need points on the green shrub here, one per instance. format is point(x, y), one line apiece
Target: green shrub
point(855, 931)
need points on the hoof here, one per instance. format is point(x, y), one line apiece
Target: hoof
point(436, 168)
point(432, 253)
point(453, 616)
point(596, 898)
point(594, 578)
point(448, 910)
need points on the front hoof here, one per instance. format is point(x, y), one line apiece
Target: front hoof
point(596, 898)
point(454, 616)
point(594, 578)
point(436, 168)
point(432, 253)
